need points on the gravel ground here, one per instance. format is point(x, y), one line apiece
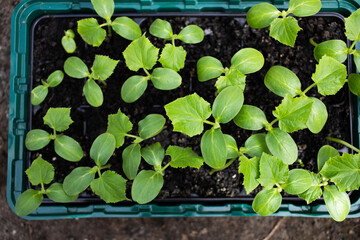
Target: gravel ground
point(13, 227)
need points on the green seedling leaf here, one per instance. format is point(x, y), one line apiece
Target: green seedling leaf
point(127, 28)
point(325, 153)
point(165, 79)
point(250, 118)
point(58, 119)
point(231, 147)
point(110, 187)
point(146, 186)
point(282, 145)
point(272, 171)
point(191, 34)
point(153, 154)
point(68, 42)
point(314, 191)
point(161, 29)
point(67, 148)
point(209, 68)
point(102, 148)
point(357, 60)
point(330, 76)
point(282, 81)
point(318, 116)
point(213, 148)
point(298, 182)
point(37, 139)
point(247, 60)
point(344, 171)
point(28, 202)
point(119, 125)
point(261, 15)
point(232, 78)
point(255, 145)
point(40, 171)
point(352, 26)
point(188, 114)
point(183, 157)
point(141, 54)
point(91, 32)
point(173, 57)
point(151, 125)
point(250, 169)
point(56, 193)
point(104, 8)
point(93, 93)
point(267, 201)
point(103, 67)
point(78, 180)
point(131, 160)
point(333, 48)
point(76, 68)
point(304, 8)
point(133, 88)
point(55, 78)
point(285, 30)
point(337, 203)
point(354, 83)
point(39, 94)
point(227, 104)
point(293, 113)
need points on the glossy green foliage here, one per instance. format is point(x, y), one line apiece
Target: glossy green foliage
point(282, 145)
point(131, 160)
point(40, 172)
point(56, 193)
point(333, 48)
point(325, 153)
point(28, 202)
point(232, 150)
point(151, 125)
point(261, 15)
point(146, 186)
point(285, 30)
point(272, 171)
point(68, 42)
point(183, 157)
point(318, 116)
point(267, 201)
point(282, 81)
point(79, 180)
point(119, 125)
point(352, 26)
point(337, 203)
point(354, 83)
point(39, 93)
point(250, 169)
point(314, 191)
point(213, 148)
point(298, 182)
point(153, 154)
point(250, 118)
point(255, 145)
point(102, 149)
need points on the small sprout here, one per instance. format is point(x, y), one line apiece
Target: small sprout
point(39, 93)
point(68, 41)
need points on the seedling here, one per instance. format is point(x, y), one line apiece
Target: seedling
point(94, 34)
point(109, 185)
point(68, 41)
point(66, 147)
point(103, 67)
point(142, 54)
point(245, 61)
point(173, 57)
point(283, 27)
point(39, 93)
point(40, 172)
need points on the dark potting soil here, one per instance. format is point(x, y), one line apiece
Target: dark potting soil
point(224, 36)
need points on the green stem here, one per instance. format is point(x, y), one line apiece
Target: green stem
point(210, 123)
point(343, 143)
point(273, 122)
point(103, 82)
point(308, 88)
point(311, 40)
point(214, 170)
point(105, 166)
point(42, 188)
point(99, 172)
point(109, 31)
point(173, 41)
point(165, 167)
point(132, 136)
point(352, 45)
point(147, 72)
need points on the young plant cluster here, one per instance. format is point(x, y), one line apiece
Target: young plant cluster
point(265, 159)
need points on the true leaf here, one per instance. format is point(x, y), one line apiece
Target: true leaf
point(131, 160)
point(56, 193)
point(255, 145)
point(119, 125)
point(318, 116)
point(354, 83)
point(133, 88)
point(272, 171)
point(76, 68)
point(325, 153)
point(161, 29)
point(337, 203)
point(110, 187)
point(314, 191)
point(282, 145)
point(103, 67)
point(39, 94)
point(250, 169)
point(55, 78)
point(40, 171)
point(250, 118)
point(67, 148)
point(267, 201)
point(37, 139)
point(357, 60)
point(93, 93)
point(141, 53)
point(333, 48)
point(188, 114)
point(127, 28)
point(208, 68)
point(58, 119)
point(91, 32)
point(213, 148)
point(173, 57)
point(285, 30)
point(231, 147)
point(304, 8)
point(78, 180)
point(247, 60)
point(102, 148)
point(28, 202)
point(153, 154)
point(104, 8)
point(227, 104)
point(330, 76)
point(165, 79)
point(298, 182)
point(183, 157)
point(232, 78)
point(146, 186)
point(151, 125)
point(352, 26)
point(191, 34)
point(261, 15)
point(282, 81)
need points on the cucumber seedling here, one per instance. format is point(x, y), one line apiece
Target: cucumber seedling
point(39, 93)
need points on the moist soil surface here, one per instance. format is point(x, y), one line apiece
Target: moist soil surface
point(224, 36)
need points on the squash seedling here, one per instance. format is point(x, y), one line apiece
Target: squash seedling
point(39, 93)
point(40, 172)
point(103, 67)
point(173, 56)
point(68, 42)
point(283, 27)
point(94, 34)
point(66, 147)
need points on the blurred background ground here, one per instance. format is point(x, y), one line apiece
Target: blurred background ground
point(13, 227)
